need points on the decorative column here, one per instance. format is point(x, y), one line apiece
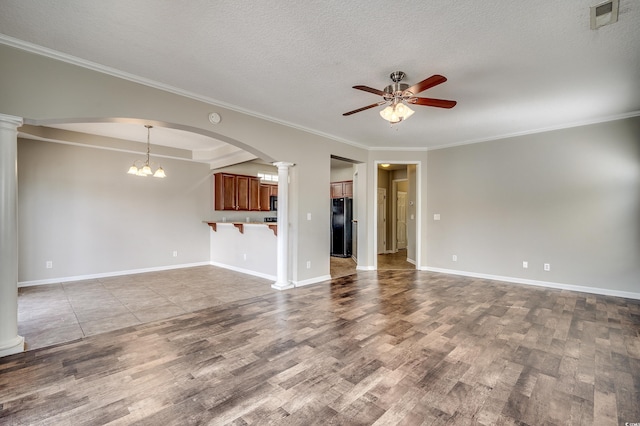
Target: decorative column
point(283, 282)
point(10, 342)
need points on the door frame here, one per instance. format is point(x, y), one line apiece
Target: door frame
point(418, 206)
point(394, 213)
point(405, 238)
point(384, 210)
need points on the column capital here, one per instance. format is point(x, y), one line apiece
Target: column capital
point(11, 120)
point(283, 164)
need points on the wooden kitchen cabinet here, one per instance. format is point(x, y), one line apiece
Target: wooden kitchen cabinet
point(254, 194)
point(242, 192)
point(347, 188)
point(342, 189)
point(236, 192)
point(266, 191)
point(224, 191)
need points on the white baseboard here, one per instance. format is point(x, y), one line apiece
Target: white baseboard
point(108, 274)
point(244, 271)
point(310, 281)
point(411, 261)
point(365, 268)
point(560, 286)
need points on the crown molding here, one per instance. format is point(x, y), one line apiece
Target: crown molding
point(53, 54)
point(73, 60)
point(540, 130)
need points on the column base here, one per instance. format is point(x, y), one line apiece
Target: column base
point(13, 346)
point(282, 286)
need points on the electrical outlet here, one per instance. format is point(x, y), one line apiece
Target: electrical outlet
point(308, 264)
point(525, 264)
point(175, 253)
point(245, 256)
point(308, 216)
point(454, 257)
point(49, 264)
point(547, 267)
point(436, 216)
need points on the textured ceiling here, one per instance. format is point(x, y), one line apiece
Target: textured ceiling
point(513, 66)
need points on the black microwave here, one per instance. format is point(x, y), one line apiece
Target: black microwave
point(273, 203)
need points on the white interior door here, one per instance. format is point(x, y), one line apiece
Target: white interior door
point(382, 220)
point(401, 220)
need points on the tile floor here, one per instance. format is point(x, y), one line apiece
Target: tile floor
point(57, 313)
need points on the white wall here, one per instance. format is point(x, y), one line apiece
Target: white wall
point(339, 174)
point(79, 209)
point(570, 198)
point(254, 251)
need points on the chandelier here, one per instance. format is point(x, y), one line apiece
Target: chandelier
point(143, 168)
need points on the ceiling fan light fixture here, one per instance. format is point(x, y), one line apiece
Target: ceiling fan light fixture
point(396, 113)
point(398, 95)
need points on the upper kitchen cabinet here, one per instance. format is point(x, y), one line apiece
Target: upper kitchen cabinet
point(236, 192)
point(267, 190)
point(224, 197)
point(342, 189)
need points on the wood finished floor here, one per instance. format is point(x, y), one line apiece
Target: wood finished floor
point(389, 347)
point(341, 267)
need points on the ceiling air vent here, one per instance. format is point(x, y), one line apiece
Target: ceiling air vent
point(604, 14)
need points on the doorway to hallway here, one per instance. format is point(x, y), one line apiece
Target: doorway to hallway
point(397, 215)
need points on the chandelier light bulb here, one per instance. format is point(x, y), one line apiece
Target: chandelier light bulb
point(159, 173)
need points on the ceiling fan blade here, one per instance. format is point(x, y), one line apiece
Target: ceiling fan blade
point(370, 90)
point(427, 83)
point(364, 108)
point(440, 103)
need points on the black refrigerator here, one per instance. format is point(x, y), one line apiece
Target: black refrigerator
point(341, 216)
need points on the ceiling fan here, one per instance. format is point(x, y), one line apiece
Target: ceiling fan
point(398, 95)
